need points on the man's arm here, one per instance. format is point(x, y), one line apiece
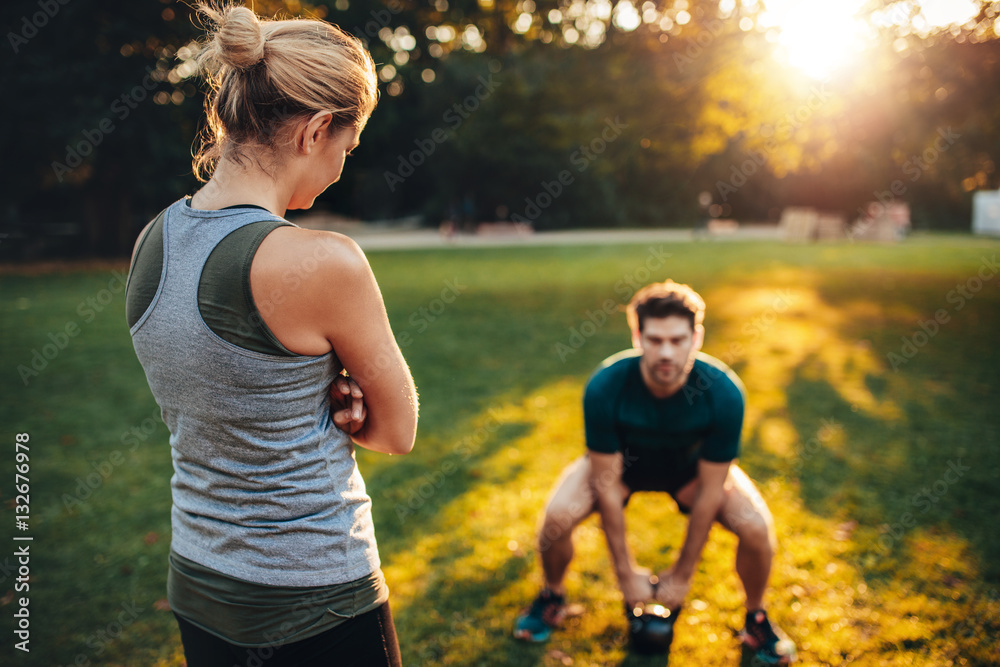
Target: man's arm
point(609, 492)
point(676, 581)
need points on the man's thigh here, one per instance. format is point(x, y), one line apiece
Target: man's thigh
point(572, 498)
point(742, 506)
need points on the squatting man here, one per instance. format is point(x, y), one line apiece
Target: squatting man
point(662, 417)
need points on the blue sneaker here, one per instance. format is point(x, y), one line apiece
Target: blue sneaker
point(545, 613)
point(770, 644)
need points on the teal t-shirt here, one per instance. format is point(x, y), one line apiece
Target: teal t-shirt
point(662, 439)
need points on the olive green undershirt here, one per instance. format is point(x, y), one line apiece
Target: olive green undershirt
point(226, 305)
point(248, 614)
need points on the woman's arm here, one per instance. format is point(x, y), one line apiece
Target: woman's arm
point(316, 292)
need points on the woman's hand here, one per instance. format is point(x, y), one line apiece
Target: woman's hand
point(347, 405)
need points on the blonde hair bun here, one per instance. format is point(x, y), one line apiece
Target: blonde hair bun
point(257, 90)
point(239, 39)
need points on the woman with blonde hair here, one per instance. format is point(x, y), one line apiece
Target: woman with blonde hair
point(269, 352)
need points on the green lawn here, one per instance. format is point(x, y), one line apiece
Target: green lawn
point(879, 457)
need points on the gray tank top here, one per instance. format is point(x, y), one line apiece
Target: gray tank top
point(265, 487)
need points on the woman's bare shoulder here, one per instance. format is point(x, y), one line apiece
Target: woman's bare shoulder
point(316, 242)
point(305, 282)
point(322, 271)
point(308, 253)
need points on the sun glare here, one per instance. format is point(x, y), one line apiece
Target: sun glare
point(818, 38)
point(948, 12)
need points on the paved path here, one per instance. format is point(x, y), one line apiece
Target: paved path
point(373, 239)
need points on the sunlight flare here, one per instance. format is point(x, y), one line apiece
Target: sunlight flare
point(816, 38)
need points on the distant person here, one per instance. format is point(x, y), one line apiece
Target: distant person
point(245, 326)
point(704, 215)
point(662, 417)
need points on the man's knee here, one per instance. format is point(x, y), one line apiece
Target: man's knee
point(557, 524)
point(562, 517)
point(756, 531)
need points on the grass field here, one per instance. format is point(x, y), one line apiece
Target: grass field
point(872, 428)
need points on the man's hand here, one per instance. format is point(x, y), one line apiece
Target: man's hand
point(347, 405)
point(636, 587)
point(672, 588)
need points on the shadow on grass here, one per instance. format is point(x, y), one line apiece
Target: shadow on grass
point(748, 658)
point(453, 626)
point(879, 412)
point(414, 492)
point(638, 660)
point(928, 469)
point(878, 420)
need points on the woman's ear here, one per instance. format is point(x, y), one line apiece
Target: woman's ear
point(310, 131)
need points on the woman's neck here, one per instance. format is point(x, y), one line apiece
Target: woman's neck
point(232, 184)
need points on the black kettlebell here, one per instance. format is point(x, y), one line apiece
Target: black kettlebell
point(651, 628)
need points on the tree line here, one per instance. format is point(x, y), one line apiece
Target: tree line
point(556, 113)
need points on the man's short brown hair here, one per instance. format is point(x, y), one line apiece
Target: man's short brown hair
point(663, 300)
